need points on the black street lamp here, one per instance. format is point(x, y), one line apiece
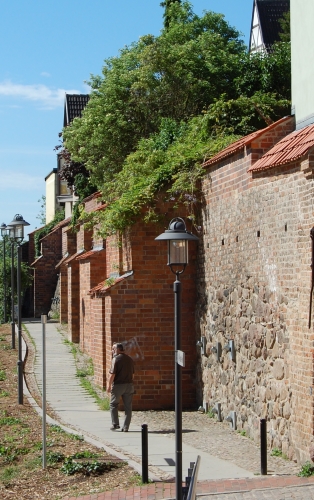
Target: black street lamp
point(16, 228)
point(4, 233)
point(177, 237)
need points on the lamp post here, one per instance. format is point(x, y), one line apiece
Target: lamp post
point(17, 234)
point(4, 232)
point(177, 237)
point(11, 238)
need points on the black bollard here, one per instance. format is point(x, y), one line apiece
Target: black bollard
point(144, 453)
point(263, 431)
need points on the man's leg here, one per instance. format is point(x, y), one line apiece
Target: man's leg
point(114, 402)
point(127, 397)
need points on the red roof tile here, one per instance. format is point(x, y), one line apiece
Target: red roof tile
point(241, 143)
point(289, 149)
point(102, 287)
point(91, 253)
point(72, 257)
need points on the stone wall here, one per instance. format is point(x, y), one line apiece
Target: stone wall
point(254, 285)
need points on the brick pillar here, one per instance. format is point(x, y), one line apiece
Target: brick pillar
point(74, 301)
point(63, 294)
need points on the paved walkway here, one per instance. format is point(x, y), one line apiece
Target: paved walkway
point(233, 456)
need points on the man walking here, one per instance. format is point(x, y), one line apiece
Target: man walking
point(120, 384)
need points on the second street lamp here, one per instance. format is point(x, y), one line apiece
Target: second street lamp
point(17, 235)
point(4, 233)
point(177, 237)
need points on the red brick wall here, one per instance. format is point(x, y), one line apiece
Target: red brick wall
point(85, 312)
point(63, 270)
point(68, 241)
point(84, 239)
point(45, 274)
point(99, 340)
point(74, 305)
point(140, 310)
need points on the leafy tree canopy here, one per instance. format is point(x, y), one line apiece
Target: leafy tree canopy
point(166, 102)
point(168, 11)
point(175, 75)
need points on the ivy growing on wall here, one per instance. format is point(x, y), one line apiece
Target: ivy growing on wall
point(59, 216)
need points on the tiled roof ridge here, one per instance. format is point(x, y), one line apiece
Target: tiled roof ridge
point(74, 256)
point(96, 194)
point(89, 253)
point(102, 288)
point(60, 224)
point(242, 143)
point(36, 260)
point(289, 149)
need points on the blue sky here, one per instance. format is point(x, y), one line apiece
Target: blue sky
point(48, 48)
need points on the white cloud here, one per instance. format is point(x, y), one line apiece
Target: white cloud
point(19, 181)
point(47, 97)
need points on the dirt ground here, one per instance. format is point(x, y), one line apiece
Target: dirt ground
point(74, 467)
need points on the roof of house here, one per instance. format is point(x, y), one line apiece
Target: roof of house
point(270, 12)
point(73, 107)
point(240, 144)
point(291, 148)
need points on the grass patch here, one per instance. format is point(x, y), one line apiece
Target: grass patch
point(88, 468)
point(211, 413)
point(33, 463)
point(103, 403)
point(242, 433)
point(307, 470)
point(276, 452)
point(76, 437)
point(84, 373)
point(8, 474)
point(137, 480)
point(4, 394)
point(29, 335)
point(10, 421)
point(2, 376)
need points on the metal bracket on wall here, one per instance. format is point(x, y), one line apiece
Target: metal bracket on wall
point(232, 418)
point(217, 350)
point(202, 344)
point(230, 347)
point(217, 410)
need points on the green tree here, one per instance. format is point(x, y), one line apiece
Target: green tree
point(26, 279)
point(42, 213)
point(285, 27)
point(166, 104)
point(168, 14)
point(176, 75)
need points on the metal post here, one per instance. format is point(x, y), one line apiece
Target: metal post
point(263, 431)
point(12, 296)
point(178, 387)
point(4, 285)
point(19, 327)
point(44, 321)
point(144, 453)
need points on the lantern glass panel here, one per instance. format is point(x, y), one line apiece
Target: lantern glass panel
point(19, 232)
point(177, 252)
point(12, 233)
